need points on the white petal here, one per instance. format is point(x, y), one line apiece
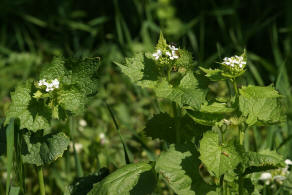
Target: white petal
point(265, 176)
point(288, 162)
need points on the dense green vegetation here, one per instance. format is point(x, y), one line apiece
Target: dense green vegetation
point(112, 118)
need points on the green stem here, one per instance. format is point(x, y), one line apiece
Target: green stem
point(169, 75)
point(241, 137)
point(41, 180)
point(235, 87)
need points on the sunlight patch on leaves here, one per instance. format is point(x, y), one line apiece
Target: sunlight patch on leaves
point(219, 159)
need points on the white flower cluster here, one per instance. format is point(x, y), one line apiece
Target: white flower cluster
point(234, 61)
point(50, 86)
point(171, 54)
point(279, 174)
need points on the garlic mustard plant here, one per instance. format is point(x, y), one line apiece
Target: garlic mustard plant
point(203, 131)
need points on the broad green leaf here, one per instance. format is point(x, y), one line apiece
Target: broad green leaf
point(261, 105)
point(135, 178)
point(32, 114)
point(188, 92)
point(179, 166)
point(211, 114)
point(141, 70)
point(218, 158)
point(82, 185)
point(262, 161)
point(165, 127)
point(72, 100)
point(40, 150)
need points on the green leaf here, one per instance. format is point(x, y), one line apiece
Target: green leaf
point(206, 119)
point(188, 92)
point(82, 185)
point(135, 178)
point(141, 70)
point(262, 161)
point(179, 166)
point(216, 108)
point(165, 127)
point(161, 42)
point(40, 150)
point(261, 105)
point(81, 72)
point(32, 114)
point(213, 74)
point(72, 100)
point(218, 158)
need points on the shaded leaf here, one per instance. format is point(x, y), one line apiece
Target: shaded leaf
point(82, 185)
point(40, 150)
point(262, 161)
point(135, 178)
point(164, 127)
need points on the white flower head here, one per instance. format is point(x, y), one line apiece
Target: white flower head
point(50, 86)
point(157, 54)
point(234, 62)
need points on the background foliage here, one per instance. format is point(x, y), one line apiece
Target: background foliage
point(33, 32)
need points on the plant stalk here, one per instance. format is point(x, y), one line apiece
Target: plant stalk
point(235, 87)
point(41, 180)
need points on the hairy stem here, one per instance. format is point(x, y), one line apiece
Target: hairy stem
point(41, 180)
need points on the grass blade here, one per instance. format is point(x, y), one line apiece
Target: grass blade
point(9, 150)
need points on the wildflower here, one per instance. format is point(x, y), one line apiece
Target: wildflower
point(102, 139)
point(234, 61)
point(78, 147)
point(82, 123)
point(157, 54)
point(266, 177)
point(50, 86)
point(288, 162)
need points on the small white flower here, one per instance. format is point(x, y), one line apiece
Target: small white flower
point(279, 178)
point(265, 176)
point(82, 123)
point(101, 136)
point(168, 54)
point(42, 82)
point(173, 48)
point(157, 54)
point(55, 83)
point(288, 162)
